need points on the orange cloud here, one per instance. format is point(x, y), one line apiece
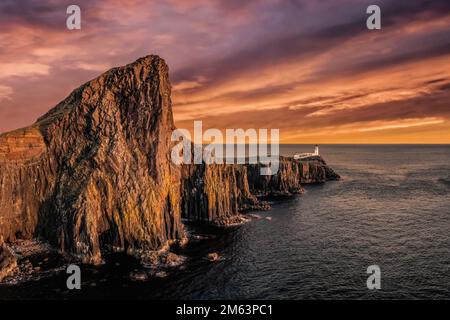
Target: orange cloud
point(246, 64)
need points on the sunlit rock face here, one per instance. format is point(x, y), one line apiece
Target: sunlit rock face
point(95, 170)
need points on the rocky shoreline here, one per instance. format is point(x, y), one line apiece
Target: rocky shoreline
point(94, 175)
point(30, 260)
point(8, 262)
point(217, 194)
point(15, 265)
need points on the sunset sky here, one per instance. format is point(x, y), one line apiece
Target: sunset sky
point(310, 68)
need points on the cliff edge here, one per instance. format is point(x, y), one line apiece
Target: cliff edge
point(94, 173)
point(95, 170)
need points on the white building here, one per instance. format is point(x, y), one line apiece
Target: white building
point(307, 155)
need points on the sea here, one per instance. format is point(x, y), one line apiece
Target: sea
point(391, 209)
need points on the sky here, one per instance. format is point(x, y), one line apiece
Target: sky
point(309, 68)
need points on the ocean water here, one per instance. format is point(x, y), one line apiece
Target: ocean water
point(391, 209)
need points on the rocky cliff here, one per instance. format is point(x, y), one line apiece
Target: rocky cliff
point(95, 170)
point(218, 193)
point(94, 173)
point(290, 176)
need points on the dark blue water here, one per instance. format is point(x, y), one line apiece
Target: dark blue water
point(391, 209)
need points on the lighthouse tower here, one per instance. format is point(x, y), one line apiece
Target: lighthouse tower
point(316, 150)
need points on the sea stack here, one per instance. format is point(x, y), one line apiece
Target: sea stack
point(95, 174)
point(95, 170)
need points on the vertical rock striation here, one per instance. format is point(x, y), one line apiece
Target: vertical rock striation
point(217, 193)
point(95, 170)
point(290, 176)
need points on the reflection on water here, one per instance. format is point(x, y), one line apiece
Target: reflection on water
point(390, 209)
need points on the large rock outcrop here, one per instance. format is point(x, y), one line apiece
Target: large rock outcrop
point(95, 170)
point(291, 175)
point(218, 193)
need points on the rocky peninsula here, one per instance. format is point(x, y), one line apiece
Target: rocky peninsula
point(94, 174)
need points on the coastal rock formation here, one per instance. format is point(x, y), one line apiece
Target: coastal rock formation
point(216, 193)
point(284, 183)
point(290, 176)
point(8, 261)
point(95, 173)
point(95, 170)
point(316, 170)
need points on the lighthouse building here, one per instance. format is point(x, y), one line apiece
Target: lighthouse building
point(307, 155)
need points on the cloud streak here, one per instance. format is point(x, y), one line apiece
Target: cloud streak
point(306, 67)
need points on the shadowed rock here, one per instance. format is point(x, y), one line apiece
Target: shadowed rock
point(8, 261)
point(95, 170)
point(290, 176)
point(94, 173)
point(217, 193)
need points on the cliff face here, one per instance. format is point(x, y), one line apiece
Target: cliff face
point(286, 181)
point(215, 193)
point(95, 170)
point(218, 193)
point(315, 170)
point(290, 176)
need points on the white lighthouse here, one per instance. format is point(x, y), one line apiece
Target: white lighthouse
point(316, 150)
point(307, 155)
